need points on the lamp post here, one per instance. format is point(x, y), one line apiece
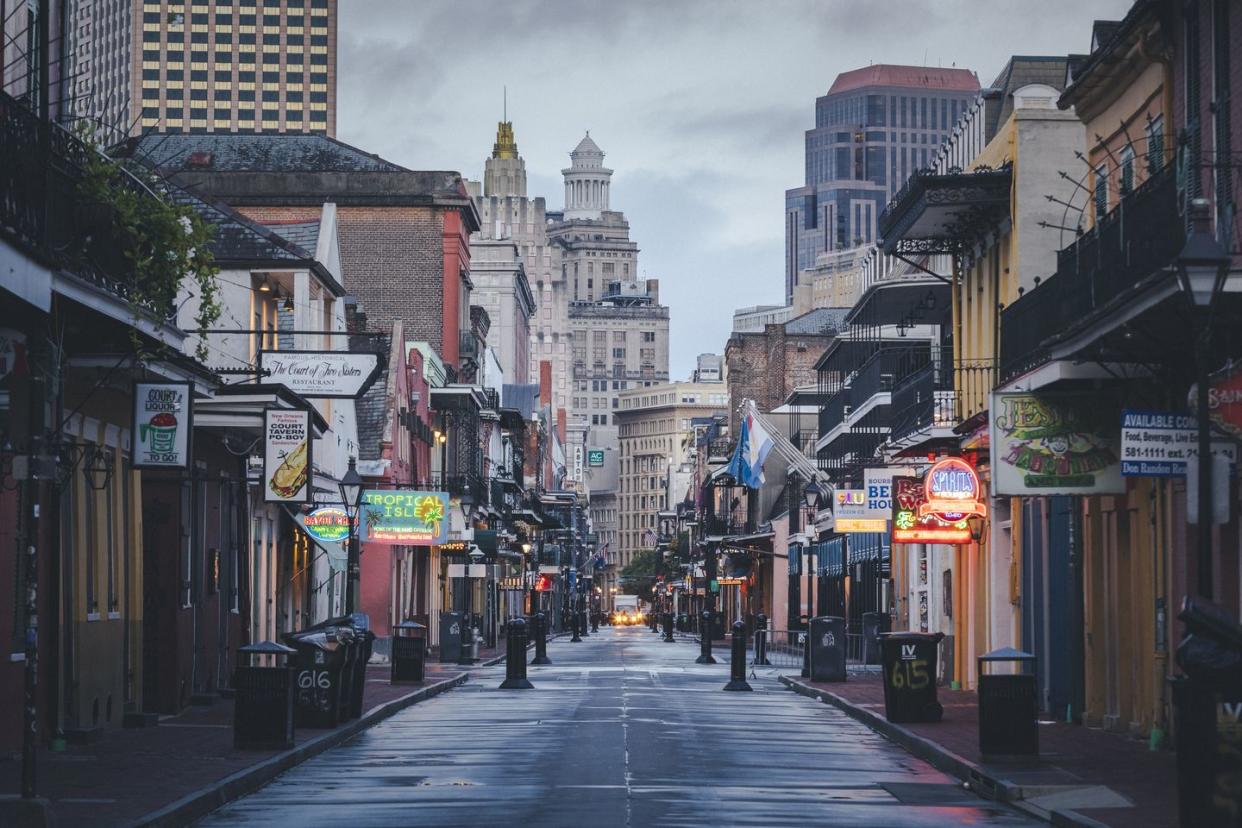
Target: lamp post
point(351, 497)
point(1202, 268)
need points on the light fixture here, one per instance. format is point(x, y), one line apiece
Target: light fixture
point(288, 302)
point(812, 493)
point(351, 488)
point(1203, 264)
point(265, 286)
point(975, 524)
point(526, 549)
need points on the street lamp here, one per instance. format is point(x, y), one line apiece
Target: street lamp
point(1202, 269)
point(812, 493)
point(351, 497)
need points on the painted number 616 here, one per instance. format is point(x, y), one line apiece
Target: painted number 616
point(309, 678)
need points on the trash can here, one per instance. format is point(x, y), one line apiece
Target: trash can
point(320, 677)
point(873, 623)
point(452, 632)
point(409, 653)
point(1008, 705)
point(909, 661)
point(263, 700)
point(827, 648)
point(364, 641)
point(1207, 703)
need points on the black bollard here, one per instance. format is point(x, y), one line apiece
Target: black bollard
point(573, 622)
point(582, 623)
point(737, 664)
point(806, 652)
point(761, 640)
point(668, 628)
point(595, 622)
point(705, 640)
point(540, 622)
point(515, 657)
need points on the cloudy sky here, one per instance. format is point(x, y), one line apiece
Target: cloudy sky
point(699, 105)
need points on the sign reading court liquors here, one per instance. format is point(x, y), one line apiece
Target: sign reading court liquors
point(163, 421)
point(286, 456)
point(321, 374)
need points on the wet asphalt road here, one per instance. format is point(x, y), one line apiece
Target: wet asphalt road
point(621, 730)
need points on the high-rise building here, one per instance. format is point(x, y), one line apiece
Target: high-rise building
point(619, 328)
point(137, 66)
point(507, 214)
point(873, 128)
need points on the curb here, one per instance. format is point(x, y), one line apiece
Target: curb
point(205, 800)
point(981, 781)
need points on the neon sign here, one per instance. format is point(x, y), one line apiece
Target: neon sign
point(952, 491)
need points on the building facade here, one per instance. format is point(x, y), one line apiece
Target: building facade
point(873, 128)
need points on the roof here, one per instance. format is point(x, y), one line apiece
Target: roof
point(524, 398)
point(1024, 70)
point(818, 322)
point(587, 147)
point(915, 77)
point(371, 408)
point(252, 152)
point(237, 238)
point(304, 234)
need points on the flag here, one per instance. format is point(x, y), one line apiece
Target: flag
point(650, 535)
point(735, 468)
point(758, 444)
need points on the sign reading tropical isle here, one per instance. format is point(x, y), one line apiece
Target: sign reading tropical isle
point(404, 518)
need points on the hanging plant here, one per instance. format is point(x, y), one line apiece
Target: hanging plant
point(145, 242)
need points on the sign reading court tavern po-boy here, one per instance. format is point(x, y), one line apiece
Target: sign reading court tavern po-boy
point(286, 456)
point(321, 374)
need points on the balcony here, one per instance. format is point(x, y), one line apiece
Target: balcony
point(1123, 258)
point(923, 401)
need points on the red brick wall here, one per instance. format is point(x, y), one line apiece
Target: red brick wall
point(766, 367)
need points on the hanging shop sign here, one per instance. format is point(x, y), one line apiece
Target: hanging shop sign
point(1054, 444)
point(321, 374)
point(329, 524)
point(286, 456)
point(952, 491)
point(911, 525)
point(163, 423)
point(405, 518)
point(849, 503)
point(1225, 401)
point(595, 457)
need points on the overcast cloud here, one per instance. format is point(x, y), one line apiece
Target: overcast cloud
point(700, 107)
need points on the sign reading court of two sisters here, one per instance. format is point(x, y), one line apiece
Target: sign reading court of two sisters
point(404, 518)
point(1053, 444)
point(163, 422)
point(321, 374)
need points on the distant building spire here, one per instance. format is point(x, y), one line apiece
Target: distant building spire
point(506, 144)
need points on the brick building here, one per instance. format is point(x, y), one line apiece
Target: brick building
point(404, 235)
point(766, 367)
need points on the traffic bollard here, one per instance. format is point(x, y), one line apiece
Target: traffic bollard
point(595, 622)
point(540, 629)
point(668, 628)
point(573, 623)
point(761, 640)
point(582, 623)
point(806, 653)
point(705, 640)
point(737, 664)
point(515, 657)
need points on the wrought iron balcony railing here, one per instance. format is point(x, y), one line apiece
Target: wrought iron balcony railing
point(1139, 238)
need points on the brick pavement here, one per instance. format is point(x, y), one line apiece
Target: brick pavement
point(1069, 754)
point(132, 772)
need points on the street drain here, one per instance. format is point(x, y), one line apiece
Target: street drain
point(927, 793)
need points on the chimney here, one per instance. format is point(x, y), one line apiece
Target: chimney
point(355, 318)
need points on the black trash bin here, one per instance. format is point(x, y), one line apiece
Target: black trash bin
point(320, 675)
point(263, 700)
point(452, 632)
point(909, 661)
point(364, 641)
point(873, 623)
point(1207, 702)
point(827, 648)
point(1008, 705)
point(409, 653)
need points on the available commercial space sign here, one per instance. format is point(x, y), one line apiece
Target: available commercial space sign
point(404, 518)
point(163, 422)
point(1055, 444)
point(286, 456)
point(321, 374)
point(1161, 443)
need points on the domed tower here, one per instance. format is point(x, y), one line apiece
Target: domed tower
point(587, 181)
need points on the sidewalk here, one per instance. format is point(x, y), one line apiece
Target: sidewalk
point(186, 766)
point(1084, 777)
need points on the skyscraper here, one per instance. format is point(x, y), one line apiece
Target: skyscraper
point(875, 127)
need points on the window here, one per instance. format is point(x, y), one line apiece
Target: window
point(618, 353)
point(648, 336)
point(1127, 170)
point(1101, 191)
point(1155, 144)
point(92, 563)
